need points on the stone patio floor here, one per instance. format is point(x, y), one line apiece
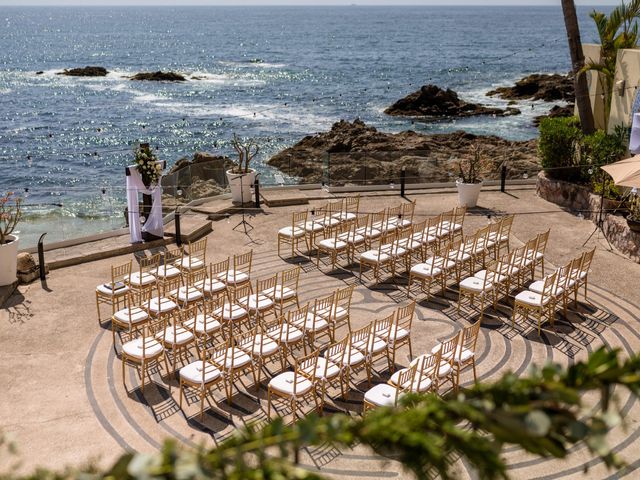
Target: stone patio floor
point(63, 401)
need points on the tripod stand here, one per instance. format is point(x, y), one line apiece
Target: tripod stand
point(245, 224)
point(600, 221)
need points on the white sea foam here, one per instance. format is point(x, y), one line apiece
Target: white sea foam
point(5, 91)
point(229, 63)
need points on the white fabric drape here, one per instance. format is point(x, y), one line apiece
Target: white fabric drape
point(154, 224)
point(634, 140)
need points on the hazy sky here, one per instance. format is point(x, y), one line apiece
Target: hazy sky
point(301, 2)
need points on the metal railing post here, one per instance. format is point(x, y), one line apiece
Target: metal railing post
point(41, 264)
point(402, 181)
point(176, 219)
point(503, 177)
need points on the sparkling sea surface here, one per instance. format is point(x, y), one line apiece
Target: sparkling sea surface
point(275, 74)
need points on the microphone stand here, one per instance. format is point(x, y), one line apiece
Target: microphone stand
point(245, 224)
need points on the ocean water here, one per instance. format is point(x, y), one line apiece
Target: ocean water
point(272, 73)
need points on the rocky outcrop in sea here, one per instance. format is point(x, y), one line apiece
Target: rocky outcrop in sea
point(84, 72)
point(159, 76)
point(547, 87)
point(360, 153)
point(433, 101)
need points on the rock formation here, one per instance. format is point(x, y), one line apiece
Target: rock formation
point(556, 111)
point(159, 76)
point(27, 268)
point(84, 72)
point(358, 154)
point(547, 87)
point(433, 101)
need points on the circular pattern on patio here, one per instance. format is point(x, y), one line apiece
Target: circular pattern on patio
point(141, 423)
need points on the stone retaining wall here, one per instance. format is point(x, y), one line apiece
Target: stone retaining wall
point(579, 199)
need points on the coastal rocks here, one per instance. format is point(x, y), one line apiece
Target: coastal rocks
point(433, 101)
point(547, 87)
point(355, 153)
point(27, 269)
point(84, 72)
point(159, 76)
point(556, 111)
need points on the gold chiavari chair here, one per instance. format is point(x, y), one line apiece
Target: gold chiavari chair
point(296, 386)
point(262, 347)
point(379, 258)
point(286, 289)
point(193, 288)
point(354, 236)
point(400, 332)
point(169, 267)
point(331, 367)
point(482, 288)
point(332, 245)
point(175, 338)
point(201, 375)
point(373, 231)
point(260, 302)
point(583, 275)
point(543, 304)
point(233, 362)
point(143, 352)
point(132, 317)
point(385, 395)
point(425, 379)
point(435, 270)
point(144, 278)
point(241, 271)
point(292, 234)
point(194, 256)
point(447, 350)
point(465, 355)
point(350, 208)
point(203, 319)
point(318, 320)
point(289, 336)
point(212, 286)
point(114, 292)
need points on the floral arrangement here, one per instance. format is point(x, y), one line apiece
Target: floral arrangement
point(10, 214)
point(247, 150)
point(469, 168)
point(148, 165)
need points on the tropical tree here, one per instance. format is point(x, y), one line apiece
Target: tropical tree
point(618, 30)
point(577, 64)
point(543, 412)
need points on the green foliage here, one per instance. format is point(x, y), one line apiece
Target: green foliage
point(543, 413)
point(567, 154)
point(618, 30)
point(559, 137)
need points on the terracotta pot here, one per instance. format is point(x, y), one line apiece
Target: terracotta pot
point(468, 193)
point(8, 260)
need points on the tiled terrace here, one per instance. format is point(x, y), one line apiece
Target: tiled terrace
point(64, 403)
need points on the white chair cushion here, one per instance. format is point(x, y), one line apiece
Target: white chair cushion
point(211, 325)
point(193, 372)
point(112, 293)
point(369, 232)
point(189, 294)
point(138, 280)
point(283, 293)
point(396, 335)
point(231, 277)
point(168, 272)
point(133, 348)
point(332, 244)
point(445, 369)
point(340, 313)
point(213, 286)
point(376, 344)
point(194, 265)
point(344, 216)
point(351, 238)
point(538, 287)
point(474, 284)
point(382, 395)
point(483, 273)
point(313, 226)
point(332, 369)
point(264, 345)
point(353, 356)
point(290, 334)
point(162, 305)
point(284, 383)
point(257, 302)
point(179, 337)
point(462, 355)
point(425, 270)
point(373, 257)
point(231, 312)
point(131, 315)
point(531, 298)
point(394, 250)
point(235, 358)
point(291, 232)
point(420, 384)
point(315, 323)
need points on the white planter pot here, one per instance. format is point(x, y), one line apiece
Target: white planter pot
point(8, 261)
point(468, 193)
point(241, 186)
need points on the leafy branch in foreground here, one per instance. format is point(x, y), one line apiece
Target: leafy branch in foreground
point(543, 413)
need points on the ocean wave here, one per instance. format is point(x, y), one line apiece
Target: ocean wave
point(256, 63)
point(4, 91)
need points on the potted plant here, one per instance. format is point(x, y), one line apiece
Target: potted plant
point(241, 177)
point(469, 183)
point(10, 213)
point(633, 219)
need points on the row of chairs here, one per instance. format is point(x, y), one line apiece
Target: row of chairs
point(430, 372)
point(460, 256)
point(543, 296)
